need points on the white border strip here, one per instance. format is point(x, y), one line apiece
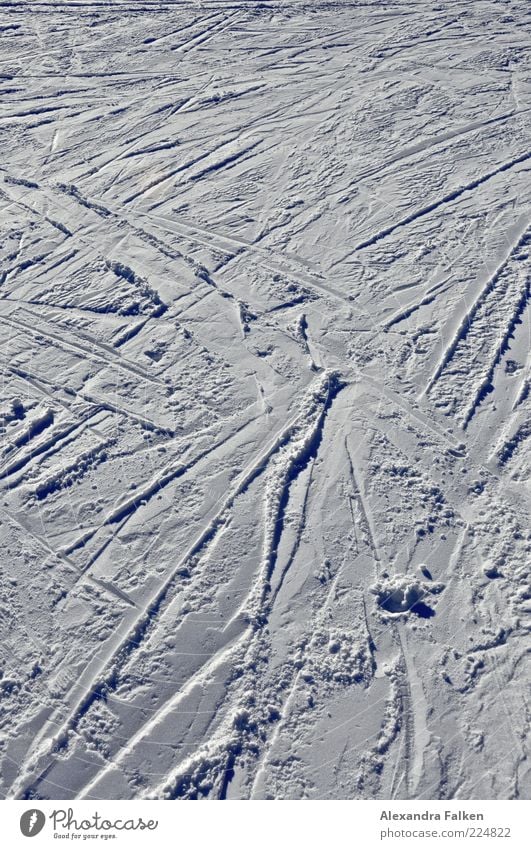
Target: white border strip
point(260, 825)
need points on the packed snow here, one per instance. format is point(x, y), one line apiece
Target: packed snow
point(265, 403)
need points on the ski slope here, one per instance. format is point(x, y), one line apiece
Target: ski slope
point(265, 459)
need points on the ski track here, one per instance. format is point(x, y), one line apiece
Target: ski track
point(264, 456)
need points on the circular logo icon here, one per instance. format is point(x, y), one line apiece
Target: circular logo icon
point(32, 822)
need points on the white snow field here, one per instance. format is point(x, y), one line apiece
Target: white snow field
point(265, 471)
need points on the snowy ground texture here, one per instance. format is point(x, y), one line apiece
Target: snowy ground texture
point(265, 413)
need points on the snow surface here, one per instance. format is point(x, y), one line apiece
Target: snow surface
point(265, 412)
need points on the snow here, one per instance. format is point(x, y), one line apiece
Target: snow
point(265, 471)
